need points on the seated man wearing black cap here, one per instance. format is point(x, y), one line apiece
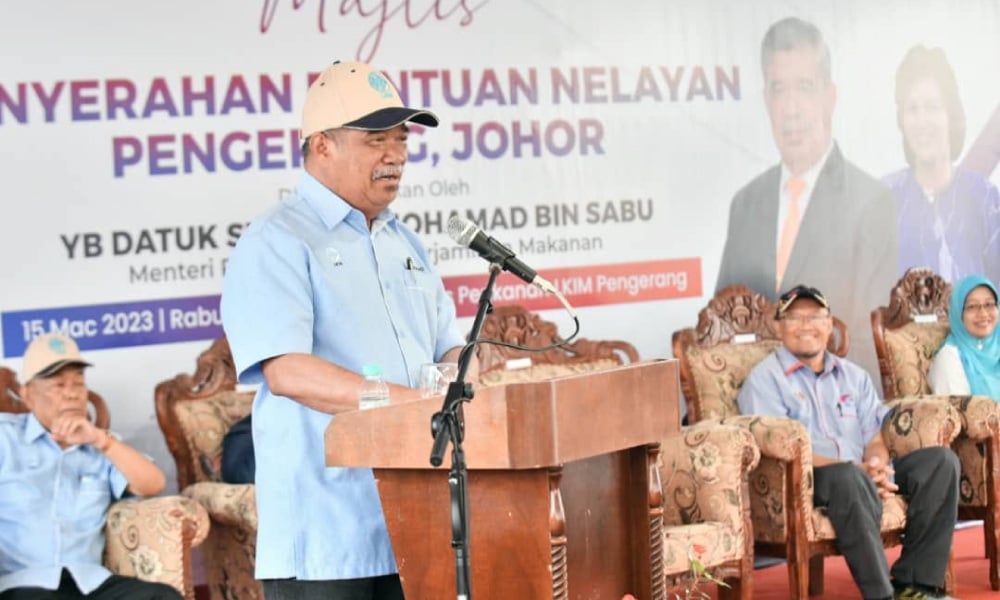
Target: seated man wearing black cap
point(58, 475)
point(836, 401)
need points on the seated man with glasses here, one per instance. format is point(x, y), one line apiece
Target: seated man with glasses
point(969, 360)
point(836, 400)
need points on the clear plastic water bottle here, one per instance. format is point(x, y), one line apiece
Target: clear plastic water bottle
point(373, 391)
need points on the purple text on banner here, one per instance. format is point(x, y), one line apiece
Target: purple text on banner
point(116, 325)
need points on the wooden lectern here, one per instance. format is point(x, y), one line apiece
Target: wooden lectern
point(564, 490)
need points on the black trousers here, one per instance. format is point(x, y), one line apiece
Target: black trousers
point(115, 587)
point(928, 479)
point(386, 587)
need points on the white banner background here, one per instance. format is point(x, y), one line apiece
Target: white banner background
point(686, 155)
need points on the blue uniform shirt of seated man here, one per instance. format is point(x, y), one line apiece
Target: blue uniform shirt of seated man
point(836, 401)
point(58, 475)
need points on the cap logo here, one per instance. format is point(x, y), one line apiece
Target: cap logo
point(57, 345)
point(380, 84)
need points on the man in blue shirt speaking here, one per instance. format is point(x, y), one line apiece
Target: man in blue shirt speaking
point(836, 401)
point(316, 289)
point(58, 476)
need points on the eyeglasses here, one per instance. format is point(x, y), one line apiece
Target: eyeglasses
point(985, 307)
point(800, 320)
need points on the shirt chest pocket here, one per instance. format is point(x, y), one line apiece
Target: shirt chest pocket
point(92, 500)
point(418, 280)
point(847, 408)
point(420, 291)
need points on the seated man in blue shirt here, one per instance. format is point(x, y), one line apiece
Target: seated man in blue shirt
point(58, 476)
point(837, 402)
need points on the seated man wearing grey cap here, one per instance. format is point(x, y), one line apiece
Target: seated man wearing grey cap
point(836, 401)
point(322, 286)
point(58, 475)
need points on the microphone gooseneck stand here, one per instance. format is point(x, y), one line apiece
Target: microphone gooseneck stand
point(448, 424)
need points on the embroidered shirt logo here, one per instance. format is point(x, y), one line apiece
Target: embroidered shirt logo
point(846, 407)
point(333, 255)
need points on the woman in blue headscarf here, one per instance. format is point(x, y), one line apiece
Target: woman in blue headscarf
point(969, 360)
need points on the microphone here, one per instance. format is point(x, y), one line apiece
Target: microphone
point(467, 234)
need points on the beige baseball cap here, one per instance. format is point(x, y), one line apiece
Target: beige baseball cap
point(48, 353)
point(356, 96)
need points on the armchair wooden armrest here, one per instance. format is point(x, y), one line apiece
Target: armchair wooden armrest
point(152, 539)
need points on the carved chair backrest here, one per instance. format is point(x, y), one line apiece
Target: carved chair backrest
point(517, 325)
point(195, 412)
point(735, 331)
point(909, 331)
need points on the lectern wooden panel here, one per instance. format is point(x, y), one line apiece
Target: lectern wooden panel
point(564, 492)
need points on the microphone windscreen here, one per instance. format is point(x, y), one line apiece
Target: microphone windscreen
point(461, 230)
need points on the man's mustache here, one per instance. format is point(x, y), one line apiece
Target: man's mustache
point(391, 171)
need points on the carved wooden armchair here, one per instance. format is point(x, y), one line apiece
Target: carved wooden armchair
point(195, 412)
point(735, 331)
point(151, 538)
point(698, 466)
point(908, 333)
point(704, 475)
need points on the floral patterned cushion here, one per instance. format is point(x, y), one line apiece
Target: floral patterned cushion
point(972, 481)
point(980, 415)
point(704, 472)
point(226, 503)
point(152, 539)
point(782, 442)
point(893, 519)
point(980, 422)
point(719, 373)
point(911, 349)
point(205, 422)
point(544, 371)
point(920, 422)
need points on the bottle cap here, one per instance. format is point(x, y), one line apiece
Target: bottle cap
point(371, 370)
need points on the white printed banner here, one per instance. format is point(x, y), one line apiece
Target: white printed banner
point(602, 141)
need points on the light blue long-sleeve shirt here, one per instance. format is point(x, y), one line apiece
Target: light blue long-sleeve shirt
point(53, 507)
